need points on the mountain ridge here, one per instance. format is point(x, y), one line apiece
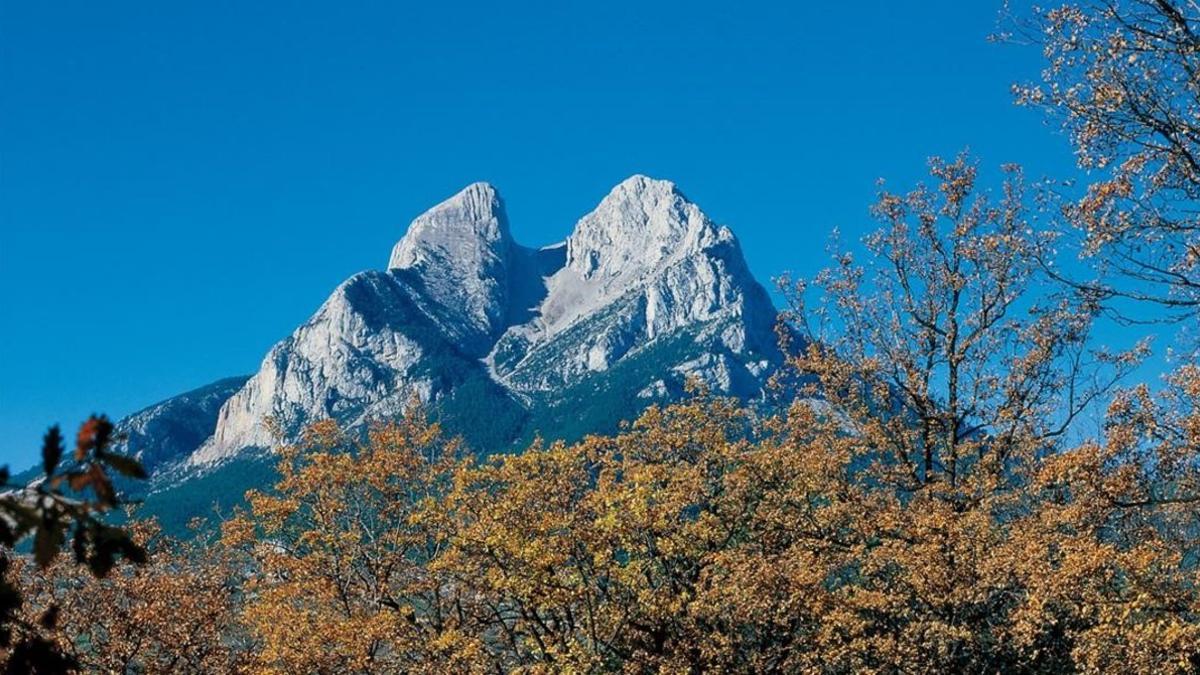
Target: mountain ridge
point(645, 292)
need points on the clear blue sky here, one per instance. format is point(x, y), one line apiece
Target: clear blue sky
point(182, 183)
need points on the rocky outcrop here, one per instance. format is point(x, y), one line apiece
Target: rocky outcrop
point(460, 256)
point(645, 264)
point(168, 432)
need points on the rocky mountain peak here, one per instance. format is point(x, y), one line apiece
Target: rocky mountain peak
point(646, 292)
point(644, 268)
point(639, 225)
point(459, 255)
point(471, 223)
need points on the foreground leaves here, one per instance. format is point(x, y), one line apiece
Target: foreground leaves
point(72, 498)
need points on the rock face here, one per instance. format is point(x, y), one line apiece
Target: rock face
point(355, 356)
point(645, 292)
point(460, 256)
point(168, 432)
point(645, 265)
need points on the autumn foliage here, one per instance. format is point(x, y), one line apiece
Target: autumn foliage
point(702, 539)
point(921, 506)
point(925, 503)
point(69, 502)
point(960, 478)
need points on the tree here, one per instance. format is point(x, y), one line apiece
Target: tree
point(68, 501)
point(948, 386)
point(1117, 520)
point(1123, 78)
point(177, 613)
point(338, 554)
point(940, 354)
point(597, 556)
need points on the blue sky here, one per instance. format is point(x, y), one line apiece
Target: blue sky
point(183, 183)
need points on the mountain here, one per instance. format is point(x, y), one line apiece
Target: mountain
point(562, 340)
point(646, 265)
point(163, 435)
point(167, 432)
